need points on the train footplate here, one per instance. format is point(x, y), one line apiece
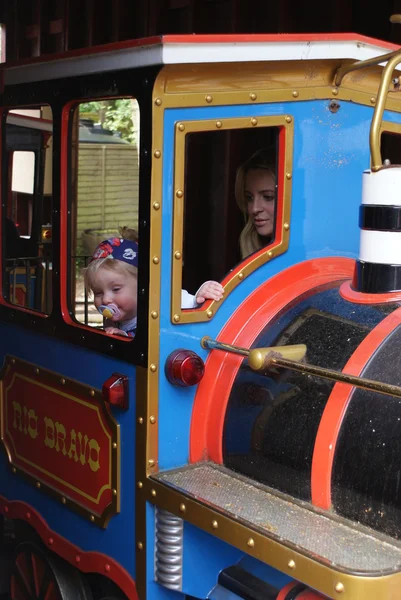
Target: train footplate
point(324, 537)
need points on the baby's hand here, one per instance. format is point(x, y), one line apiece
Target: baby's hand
point(115, 331)
point(211, 290)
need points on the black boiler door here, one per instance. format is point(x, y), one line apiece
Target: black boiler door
point(366, 480)
point(272, 418)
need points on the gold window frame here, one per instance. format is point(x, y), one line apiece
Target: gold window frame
point(246, 267)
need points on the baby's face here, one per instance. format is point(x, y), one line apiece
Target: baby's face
point(113, 287)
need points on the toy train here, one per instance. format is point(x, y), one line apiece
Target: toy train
point(246, 448)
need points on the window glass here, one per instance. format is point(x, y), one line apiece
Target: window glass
point(23, 172)
point(104, 186)
point(391, 146)
point(230, 200)
point(27, 192)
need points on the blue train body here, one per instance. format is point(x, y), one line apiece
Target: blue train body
point(241, 482)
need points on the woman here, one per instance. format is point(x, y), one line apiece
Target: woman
point(255, 193)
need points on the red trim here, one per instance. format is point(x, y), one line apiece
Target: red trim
point(208, 39)
point(351, 295)
point(64, 167)
point(284, 591)
point(277, 37)
point(307, 594)
point(242, 329)
point(64, 256)
point(336, 407)
point(87, 562)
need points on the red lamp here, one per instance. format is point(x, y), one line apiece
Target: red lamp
point(115, 391)
point(184, 368)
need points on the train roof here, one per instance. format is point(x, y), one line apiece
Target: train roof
point(92, 134)
point(29, 122)
point(187, 49)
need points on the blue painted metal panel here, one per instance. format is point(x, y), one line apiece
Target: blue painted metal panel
point(204, 557)
point(331, 151)
point(118, 539)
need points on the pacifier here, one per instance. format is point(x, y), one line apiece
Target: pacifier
point(109, 311)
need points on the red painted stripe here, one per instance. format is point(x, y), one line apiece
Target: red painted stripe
point(307, 594)
point(242, 329)
point(336, 407)
point(348, 293)
point(87, 562)
point(64, 164)
point(286, 589)
point(65, 159)
point(277, 37)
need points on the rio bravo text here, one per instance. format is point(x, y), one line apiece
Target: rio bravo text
point(54, 435)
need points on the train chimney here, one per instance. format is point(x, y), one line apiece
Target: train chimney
point(378, 268)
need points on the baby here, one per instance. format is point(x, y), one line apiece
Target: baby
point(112, 275)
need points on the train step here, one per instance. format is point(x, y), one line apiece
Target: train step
point(326, 538)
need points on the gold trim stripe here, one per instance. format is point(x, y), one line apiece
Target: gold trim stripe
point(324, 578)
point(184, 128)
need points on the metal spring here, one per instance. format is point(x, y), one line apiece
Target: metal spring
point(169, 550)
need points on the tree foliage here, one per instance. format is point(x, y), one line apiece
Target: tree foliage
point(119, 115)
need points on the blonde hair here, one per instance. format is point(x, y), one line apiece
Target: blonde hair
point(249, 239)
point(111, 264)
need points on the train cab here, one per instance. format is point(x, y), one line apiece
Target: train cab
point(238, 445)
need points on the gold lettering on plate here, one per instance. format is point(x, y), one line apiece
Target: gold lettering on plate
point(76, 446)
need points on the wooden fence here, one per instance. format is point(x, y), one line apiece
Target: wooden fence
point(108, 186)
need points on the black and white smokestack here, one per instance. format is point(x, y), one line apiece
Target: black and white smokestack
point(378, 268)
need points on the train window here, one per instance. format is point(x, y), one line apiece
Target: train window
point(104, 187)
point(23, 174)
point(226, 171)
point(27, 225)
point(390, 143)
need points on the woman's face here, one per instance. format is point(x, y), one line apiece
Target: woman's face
point(260, 196)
